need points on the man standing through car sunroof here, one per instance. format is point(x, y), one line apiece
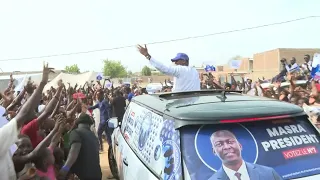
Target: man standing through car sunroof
point(185, 78)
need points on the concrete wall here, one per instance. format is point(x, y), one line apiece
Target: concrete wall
point(266, 64)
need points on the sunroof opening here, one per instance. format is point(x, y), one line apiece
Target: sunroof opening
point(177, 95)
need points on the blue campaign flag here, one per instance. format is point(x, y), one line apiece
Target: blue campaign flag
point(315, 72)
point(99, 77)
point(209, 68)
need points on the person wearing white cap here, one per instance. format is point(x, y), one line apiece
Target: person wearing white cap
point(186, 78)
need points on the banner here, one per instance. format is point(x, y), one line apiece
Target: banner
point(235, 64)
point(99, 76)
point(279, 149)
point(210, 68)
point(21, 83)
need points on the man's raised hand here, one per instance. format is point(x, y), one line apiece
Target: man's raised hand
point(143, 50)
point(45, 73)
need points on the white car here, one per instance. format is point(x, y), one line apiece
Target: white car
point(189, 135)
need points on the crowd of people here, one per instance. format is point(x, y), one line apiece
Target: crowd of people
point(305, 95)
point(58, 134)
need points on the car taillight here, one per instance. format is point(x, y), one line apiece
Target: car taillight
point(253, 119)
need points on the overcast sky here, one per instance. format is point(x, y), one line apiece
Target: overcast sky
point(39, 28)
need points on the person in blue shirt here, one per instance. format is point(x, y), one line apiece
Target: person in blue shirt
point(105, 114)
point(130, 94)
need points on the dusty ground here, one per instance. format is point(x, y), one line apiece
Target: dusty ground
point(104, 163)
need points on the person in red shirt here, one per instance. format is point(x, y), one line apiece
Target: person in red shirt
point(33, 128)
point(34, 131)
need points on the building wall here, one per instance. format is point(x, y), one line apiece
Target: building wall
point(266, 64)
point(244, 64)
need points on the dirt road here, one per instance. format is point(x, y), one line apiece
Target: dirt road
point(104, 163)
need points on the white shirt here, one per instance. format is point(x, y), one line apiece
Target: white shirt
point(242, 170)
point(10, 132)
point(41, 107)
point(3, 121)
point(307, 65)
point(185, 78)
point(13, 147)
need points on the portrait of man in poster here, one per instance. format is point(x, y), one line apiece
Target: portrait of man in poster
point(226, 146)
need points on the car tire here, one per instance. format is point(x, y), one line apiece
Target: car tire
point(112, 163)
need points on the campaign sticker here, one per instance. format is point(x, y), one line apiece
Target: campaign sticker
point(157, 152)
point(145, 130)
point(172, 158)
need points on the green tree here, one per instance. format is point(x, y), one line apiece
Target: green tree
point(146, 71)
point(129, 73)
point(72, 69)
point(114, 69)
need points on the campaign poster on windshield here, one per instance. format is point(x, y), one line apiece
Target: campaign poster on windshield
point(265, 150)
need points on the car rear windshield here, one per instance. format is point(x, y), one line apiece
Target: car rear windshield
point(286, 148)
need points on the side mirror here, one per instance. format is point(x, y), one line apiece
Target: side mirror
point(113, 122)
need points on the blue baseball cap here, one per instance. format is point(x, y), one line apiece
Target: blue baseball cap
point(180, 56)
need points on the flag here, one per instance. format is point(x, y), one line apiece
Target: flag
point(315, 72)
point(293, 68)
point(209, 68)
point(99, 77)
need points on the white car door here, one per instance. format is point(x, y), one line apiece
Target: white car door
point(136, 170)
point(131, 164)
point(120, 148)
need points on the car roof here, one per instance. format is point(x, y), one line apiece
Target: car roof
point(209, 106)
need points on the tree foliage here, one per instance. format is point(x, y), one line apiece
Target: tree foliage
point(237, 57)
point(114, 69)
point(72, 69)
point(146, 71)
point(129, 73)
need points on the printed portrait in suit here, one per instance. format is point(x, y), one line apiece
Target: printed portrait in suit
point(226, 146)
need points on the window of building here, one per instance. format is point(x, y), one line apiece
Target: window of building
point(250, 65)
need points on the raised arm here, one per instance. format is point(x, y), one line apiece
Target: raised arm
point(10, 85)
point(76, 142)
point(93, 107)
point(17, 100)
point(45, 143)
point(56, 109)
point(33, 101)
point(51, 105)
point(168, 70)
